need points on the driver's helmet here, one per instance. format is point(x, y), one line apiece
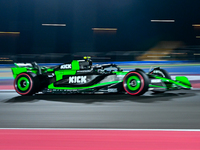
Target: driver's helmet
point(88, 59)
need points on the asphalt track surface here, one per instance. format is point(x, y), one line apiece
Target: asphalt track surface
point(171, 110)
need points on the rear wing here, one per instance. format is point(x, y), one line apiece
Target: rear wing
point(18, 65)
point(25, 67)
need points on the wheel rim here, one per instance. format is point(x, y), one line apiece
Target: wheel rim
point(133, 83)
point(23, 84)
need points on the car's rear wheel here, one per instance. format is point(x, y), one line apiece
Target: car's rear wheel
point(26, 83)
point(136, 83)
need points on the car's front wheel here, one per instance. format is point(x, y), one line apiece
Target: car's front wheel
point(161, 73)
point(136, 82)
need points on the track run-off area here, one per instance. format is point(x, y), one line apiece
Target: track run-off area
point(169, 120)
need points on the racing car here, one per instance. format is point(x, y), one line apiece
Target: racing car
point(82, 76)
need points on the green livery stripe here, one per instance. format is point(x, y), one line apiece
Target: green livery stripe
point(120, 73)
point(167, 88)
point(17, 71)
point(157, 86)
point(51, 86)
point(59, 74)
point(75, 65)
point(50, 70)
point(183, 80)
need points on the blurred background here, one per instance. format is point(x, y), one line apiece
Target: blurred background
point(130, 32)
point(55, 31)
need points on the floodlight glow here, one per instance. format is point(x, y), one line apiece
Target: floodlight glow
point(104, 29)
point(54, 25)
point(196, 25)
point(9, 32)
point(162, 20)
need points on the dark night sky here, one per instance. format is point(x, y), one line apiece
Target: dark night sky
point(131, 18)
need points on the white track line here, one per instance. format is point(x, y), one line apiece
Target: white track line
point(93, 129)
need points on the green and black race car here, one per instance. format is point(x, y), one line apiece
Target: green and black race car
point(81, 76)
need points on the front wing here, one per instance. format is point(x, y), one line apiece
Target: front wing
point(164, 84)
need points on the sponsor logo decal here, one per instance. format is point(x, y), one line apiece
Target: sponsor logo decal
point(66, 66)
point(155, 80)
point(112, 90)
point(77, 79)
point(83, 70)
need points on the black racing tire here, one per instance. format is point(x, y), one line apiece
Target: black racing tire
point(136, 82)
point(26, 83)
point(161, 73)
point(138, 69)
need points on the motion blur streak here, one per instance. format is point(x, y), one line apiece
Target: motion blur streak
point(98, 139)
point(162, 20)
point(196, 25)
point(56, 25)
point(104, 29)
point(9, 32)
